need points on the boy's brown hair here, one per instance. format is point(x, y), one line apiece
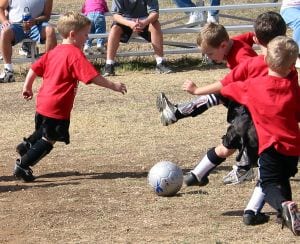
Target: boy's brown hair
point(71, 21)
point(282, 53)
point(212, 34)
point(269, 25)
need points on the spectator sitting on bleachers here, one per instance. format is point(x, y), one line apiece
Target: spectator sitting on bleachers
point(135, 17)
point(14, 29)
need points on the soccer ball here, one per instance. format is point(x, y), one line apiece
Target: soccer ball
point(165, 178)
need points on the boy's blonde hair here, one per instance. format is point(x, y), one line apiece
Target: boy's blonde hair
point(282, 53)
point(212, 34)
point(71, 21)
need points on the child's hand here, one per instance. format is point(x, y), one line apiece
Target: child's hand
point(27, 94)
point(189, 86)
point(120, 87)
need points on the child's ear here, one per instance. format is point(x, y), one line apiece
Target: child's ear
point(256, 40)
point(71, 34)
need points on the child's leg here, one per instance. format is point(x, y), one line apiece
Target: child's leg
point(171, 113)
point(252, 214)
point(214, 157)
point(26, 144)
point(38, 150)
point(100, 27)
point(275, 170)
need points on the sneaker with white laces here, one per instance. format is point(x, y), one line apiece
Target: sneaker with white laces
point(23, 173)
point(167, 110)
point(238, 175)
point(109, 70)
point(291, 216)
point(7, 76)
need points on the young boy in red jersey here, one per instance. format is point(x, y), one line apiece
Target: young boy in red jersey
point(274, 104)
point(61, 69)
point(267, 26)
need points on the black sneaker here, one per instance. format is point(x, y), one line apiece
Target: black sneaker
point(291, 217)
point(255, 219)
point(7, 76)
point(23, 173)
point(191, 180)
point(23, 147)
point(109, 70)
point(162, 68)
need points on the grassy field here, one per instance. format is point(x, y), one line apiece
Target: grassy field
point(95, 190)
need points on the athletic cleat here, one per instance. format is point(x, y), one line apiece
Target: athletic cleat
point(255, 219)
point(23, 173)
point(238, 175)
point(162, 68)
point(23, 147)
point(7, 76)
point(109, 70)
point(191, 180)
point(167, 110)
point(291, 216)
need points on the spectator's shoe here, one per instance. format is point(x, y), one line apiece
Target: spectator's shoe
point(238, 175)
point(197, 17)
point(7, 76)
point(191, 180)
point(23, 173)
point(87, 49)
point(212, 18)
point(109, 70)
point(23, 147)
point(101, 48)
point(255, 219)
point(291, 216)
point(167, 110)
point(162, 68)
point(25, 50)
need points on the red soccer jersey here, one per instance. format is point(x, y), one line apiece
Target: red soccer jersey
point(61, 69)
point(239, 51)
point(251, 68)
point(274, 104)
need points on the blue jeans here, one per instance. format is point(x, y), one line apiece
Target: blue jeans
point(291, 17)
point(189, 3)
point(98, 26)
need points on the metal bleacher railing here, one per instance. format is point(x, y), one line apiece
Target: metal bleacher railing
point(174, 26)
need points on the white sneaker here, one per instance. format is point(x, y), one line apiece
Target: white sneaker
point(87, 49)
point(212, 19)
point(197, 17)
point(238, 175)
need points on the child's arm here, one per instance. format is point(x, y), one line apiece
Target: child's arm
point(27, 87)
point(115, 86)
point(193, 89)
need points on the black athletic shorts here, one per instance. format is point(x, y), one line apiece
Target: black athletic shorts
point(127, 32)
point(53, 129)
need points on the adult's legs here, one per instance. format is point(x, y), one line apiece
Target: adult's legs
point(291, 17)
point(156, 38)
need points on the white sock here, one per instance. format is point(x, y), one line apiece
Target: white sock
point(203, 167)
point(159, 60)
point(109, 61)
point(256, 200)
point(8, 67)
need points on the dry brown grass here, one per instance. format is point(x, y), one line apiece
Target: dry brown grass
point(95, 189)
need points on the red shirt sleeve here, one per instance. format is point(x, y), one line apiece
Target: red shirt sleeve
point(245, 37)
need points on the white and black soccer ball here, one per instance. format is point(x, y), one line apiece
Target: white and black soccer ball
point(165, 178)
